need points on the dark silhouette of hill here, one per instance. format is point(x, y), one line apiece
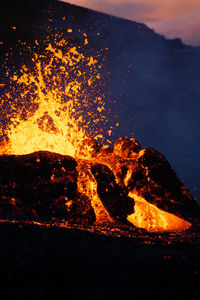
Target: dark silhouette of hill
point(154, 81)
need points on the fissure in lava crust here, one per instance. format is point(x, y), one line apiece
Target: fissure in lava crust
point(119, 185)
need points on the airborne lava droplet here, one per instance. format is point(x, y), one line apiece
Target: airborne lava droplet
point(52, 103)
point(55, 105)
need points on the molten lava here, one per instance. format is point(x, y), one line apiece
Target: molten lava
point(152, 219)
point(52, 102)
point(54, 105)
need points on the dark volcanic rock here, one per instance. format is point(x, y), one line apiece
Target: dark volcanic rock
point(114, 198)
point(149, 69)
point(42, 185)
point(58, 264)
point(80, 211)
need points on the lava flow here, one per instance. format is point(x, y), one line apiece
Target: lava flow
point(52, 170)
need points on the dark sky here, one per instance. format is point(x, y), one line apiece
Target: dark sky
point(165, 111)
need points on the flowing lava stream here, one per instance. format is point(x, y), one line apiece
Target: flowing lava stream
point(53, 106)
point(153, 219)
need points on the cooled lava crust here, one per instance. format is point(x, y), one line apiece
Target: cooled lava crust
point(45, 186)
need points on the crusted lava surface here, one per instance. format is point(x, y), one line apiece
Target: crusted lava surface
point(45, 187)
point(39, 262)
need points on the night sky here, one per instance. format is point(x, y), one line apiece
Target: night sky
point(167, 117)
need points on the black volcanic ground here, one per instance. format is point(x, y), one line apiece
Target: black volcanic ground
point(57, 263)
point(154, 81)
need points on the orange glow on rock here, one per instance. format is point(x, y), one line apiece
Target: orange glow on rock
point(52, 110)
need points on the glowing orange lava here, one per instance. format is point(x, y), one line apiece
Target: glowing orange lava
point(54, 105)
point(61, 110)
point(153, 219)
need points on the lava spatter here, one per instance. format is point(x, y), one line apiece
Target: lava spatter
point(54, 102)
point(54, 105)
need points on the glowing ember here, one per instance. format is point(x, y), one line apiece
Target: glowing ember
point(54, 104)
point(53, 101)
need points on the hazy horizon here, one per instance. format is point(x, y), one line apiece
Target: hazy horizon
point(173, 19)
